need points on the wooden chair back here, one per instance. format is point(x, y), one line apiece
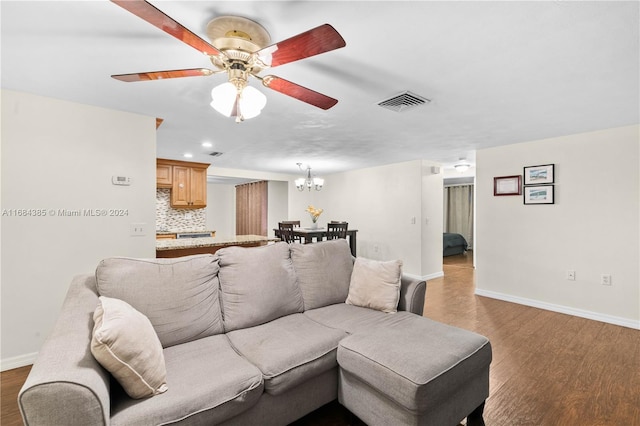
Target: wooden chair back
point(295, 223)
point(286, 232)
point(337, 230)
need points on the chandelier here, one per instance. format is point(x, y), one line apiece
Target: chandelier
point(308, 182)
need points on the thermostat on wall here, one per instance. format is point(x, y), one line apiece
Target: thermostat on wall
point(121, 180)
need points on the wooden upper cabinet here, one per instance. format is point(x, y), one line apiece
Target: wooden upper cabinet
point(198, 187)
point(164, 177)
point(188, 183)
point(181, 190)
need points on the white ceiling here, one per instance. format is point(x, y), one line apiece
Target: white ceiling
point(496, 73)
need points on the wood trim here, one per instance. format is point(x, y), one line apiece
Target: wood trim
point(182, 163)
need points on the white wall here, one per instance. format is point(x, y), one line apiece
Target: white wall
point(524, 251)
point(381, 203)
point(221, 209)
point(59, 155)
point(278, 205)
point(432, 219)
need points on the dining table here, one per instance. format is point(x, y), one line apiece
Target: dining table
point(308, 235)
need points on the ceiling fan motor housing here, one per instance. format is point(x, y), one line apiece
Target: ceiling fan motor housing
point(238, 74)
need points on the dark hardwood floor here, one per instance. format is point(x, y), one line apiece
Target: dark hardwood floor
point(548, 369)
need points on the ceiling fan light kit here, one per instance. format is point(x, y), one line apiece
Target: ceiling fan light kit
point(242, 103)
point(241, 48)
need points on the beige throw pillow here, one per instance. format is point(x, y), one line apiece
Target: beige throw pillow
point(375, 284)
point(125, 344)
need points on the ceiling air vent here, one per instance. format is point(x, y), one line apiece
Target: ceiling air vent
point(403, 102)
point(215, 154)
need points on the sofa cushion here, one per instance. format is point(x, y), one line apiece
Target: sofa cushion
point(375, 284)
point(209, 383)
point(126, 345)
point(355, 319)
point(323, 270)
point(258, 284)
point(417, 364)
point(179, 296)
point(289, 350)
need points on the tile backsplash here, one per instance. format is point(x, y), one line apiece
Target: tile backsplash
point(181, 220)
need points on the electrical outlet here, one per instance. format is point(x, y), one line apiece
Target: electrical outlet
point(605, 279)
point(571, 275)
point(138, 229)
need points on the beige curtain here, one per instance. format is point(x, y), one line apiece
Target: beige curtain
point(251, 208)
point(458, 211)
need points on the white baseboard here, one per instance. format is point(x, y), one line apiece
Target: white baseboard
point(426, 277)
point(624, 322)
point(18, 361)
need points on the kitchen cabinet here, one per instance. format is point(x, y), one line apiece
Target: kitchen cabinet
point(164, 177)
point(188, 182)
point(165, 236)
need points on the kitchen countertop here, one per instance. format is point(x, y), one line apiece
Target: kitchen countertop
point(189, 231)
point(186, 243)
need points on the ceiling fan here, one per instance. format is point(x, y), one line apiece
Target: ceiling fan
point(242, 48)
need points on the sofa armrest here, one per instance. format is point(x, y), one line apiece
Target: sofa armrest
point(66, 385)
point(412, 294)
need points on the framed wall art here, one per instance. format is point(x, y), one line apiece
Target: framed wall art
point(538, 175)
point(539, 194)
point(507, 185)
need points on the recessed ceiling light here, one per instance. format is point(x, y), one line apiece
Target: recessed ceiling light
point(207, 144)
point(188, 155)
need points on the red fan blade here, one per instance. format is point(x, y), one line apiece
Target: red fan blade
point(299, 92)
point(313, 42)
point(160, 75)
point(156, 17)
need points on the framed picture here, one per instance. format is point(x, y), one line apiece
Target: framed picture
point(507, 185)
point(538, 194)
point(538, 175)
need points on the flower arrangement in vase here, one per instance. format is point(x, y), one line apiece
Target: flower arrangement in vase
point(315, 214)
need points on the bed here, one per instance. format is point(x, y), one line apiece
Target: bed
point(453, 244)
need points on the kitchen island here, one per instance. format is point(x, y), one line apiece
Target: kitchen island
point(188, 246)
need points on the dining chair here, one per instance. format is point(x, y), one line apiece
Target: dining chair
point(295, 223)
point(337, 230)
point(286, 232)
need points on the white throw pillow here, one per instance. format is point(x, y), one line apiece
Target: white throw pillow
point(375, 284)
point(125, 344)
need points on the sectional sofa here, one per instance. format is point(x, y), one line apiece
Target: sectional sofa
point(253, 336)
